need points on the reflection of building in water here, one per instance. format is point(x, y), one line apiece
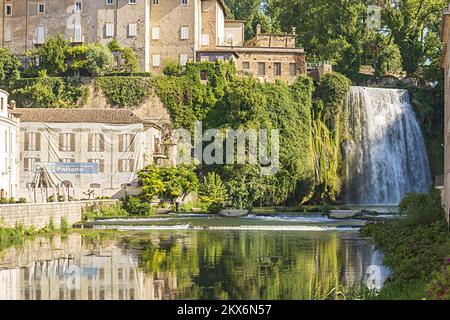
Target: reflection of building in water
point(79, 273)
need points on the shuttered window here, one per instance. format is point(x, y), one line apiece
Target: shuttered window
point(67, 142)
point(77, 35)
point(109, 30)
point(183, 59)
point(126, 165)
point(156, 60)
point(155, 33)
point(184, 33)
point(126, 142)
point(40, 35)
point(32, 141)
point(132, 30)
point(29, 163)
point(101, 164)
point(96, 142)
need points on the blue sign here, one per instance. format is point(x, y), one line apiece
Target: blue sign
point(68, 167)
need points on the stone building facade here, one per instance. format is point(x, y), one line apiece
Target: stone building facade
point(158, 30)
point(446, 66)
point(9, 128)
point(82, 153)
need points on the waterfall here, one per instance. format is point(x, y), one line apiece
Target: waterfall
point(385, 152)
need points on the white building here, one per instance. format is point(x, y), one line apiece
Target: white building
point(9, 164)
point(84, 153)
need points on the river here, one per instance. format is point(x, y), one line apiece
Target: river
point(253, 262)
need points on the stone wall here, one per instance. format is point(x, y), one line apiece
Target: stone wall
point(39, 215)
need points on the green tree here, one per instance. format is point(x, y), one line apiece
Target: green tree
point(98, 60)
point(389, 61)
point(52, 55)
point(10, 66)
point(213, 192)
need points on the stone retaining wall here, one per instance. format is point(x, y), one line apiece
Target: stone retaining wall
point(39, 215)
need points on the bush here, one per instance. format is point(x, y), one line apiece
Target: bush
point(213, 192)
point(172, 68)
point(439, 286)
point(98, 60)
point(422, 208)
point(10, 66)
point(64, 226)
point(136, 207)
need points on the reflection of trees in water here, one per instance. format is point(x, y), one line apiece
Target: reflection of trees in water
point(245, 265)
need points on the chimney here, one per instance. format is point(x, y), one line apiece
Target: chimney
point(294, 31)
point(258, 29)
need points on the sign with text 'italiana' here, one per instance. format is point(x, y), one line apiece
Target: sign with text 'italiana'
point(68, 167)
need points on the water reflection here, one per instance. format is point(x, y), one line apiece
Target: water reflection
point(188, 265)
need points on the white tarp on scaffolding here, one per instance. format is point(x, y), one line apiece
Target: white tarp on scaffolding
point(78, 159)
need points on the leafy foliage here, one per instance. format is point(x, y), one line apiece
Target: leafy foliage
point(213, 192)
point(124, 91)
point(10, 67)
point(167, 183)
point(137, 207)
point(98, 60)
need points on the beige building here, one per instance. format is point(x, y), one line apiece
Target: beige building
point(9, 165)
point(446, 66)
point(158, 30)
point(83, 153)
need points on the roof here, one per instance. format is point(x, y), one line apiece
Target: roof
point(110, 116)
point(4, 92)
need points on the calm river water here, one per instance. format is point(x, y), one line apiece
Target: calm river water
point(189, 264)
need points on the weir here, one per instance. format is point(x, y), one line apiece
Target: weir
point(385, 153)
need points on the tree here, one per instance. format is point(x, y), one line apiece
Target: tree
point(98, 60)
point(52, 55)
point(213, 192)
point(389, 61)
point(167, 183)
point(9, 66)
point(128, 59)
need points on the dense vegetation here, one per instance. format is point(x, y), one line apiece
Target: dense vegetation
point(416, 249)
point(407, 33)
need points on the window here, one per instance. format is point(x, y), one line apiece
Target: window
point(78, 6)
point(40, 35)
point(96, 142)
point(8, 9)
point(109, 2)
point(183, 59)
point(109, 30)
point(30, 163)
point(277, 69)
point(156, 60)
point(245, 65)
point(32, 141)
point(77, 36)
point(205, 39)
point(184, 2)
point(184, 33)
point(205, 5)
point(293, 69)
point(132, 30)
point(41, 8)
point(261, 69)
point(126, 142)
point(155, 2)
point(155, 33)
point(68, 160)
point(2, 102)
point(95, 186)
point(126, 165)
point(204, 58)
point(67, 142)
point(8, 34)
point(132, 1)
point(101, 164)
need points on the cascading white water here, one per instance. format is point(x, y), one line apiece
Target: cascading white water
point(385, 153)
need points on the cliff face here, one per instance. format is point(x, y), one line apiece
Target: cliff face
point(150, 109)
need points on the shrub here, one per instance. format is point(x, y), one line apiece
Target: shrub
point(52, 55)
point(136, 207)
point(172, 68)
point(98, 60)
point(439, 286)
point(213, 192)
point(64, 227)
point(422, 208)
point(10, 66)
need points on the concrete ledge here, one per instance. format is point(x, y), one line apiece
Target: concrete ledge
point(343, 214)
